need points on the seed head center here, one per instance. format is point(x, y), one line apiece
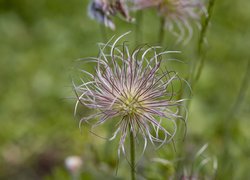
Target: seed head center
point(130, 105)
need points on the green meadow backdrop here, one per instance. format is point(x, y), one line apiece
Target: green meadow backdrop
point(39, 43)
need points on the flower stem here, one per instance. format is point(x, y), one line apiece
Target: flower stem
point(201, 53)
point(138, 28)
point(242, 92)
point(132, 155)
point(194, 75)
point(161, 31)
point(197, 67)
point(103, 33)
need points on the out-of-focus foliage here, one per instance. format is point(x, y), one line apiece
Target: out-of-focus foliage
point(39, 41)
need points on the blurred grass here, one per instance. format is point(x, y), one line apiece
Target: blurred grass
point(39, 41)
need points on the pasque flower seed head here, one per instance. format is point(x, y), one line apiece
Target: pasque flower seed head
point(133, 88)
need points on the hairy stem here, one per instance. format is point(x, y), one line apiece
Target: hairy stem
point(196, 67)
point(194, 75)
point(103, 32)
point(161, 31)
point(242, 91)
point(132, 155)
point(138, 27)
point(201, 53)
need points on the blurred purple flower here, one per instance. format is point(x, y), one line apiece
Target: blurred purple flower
point(179, 15)
point(133, 88)
point(103, 10)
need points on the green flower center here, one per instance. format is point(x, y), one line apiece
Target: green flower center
point(130, 105)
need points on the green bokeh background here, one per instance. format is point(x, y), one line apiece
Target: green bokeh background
point(39, 42)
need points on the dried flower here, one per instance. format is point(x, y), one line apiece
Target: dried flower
point(103, 10)
point(177, 13)
point(133, 88)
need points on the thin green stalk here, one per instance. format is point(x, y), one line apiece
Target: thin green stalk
point(242, 91)
point(235, 107)
point(195, 72)
point(138, 27)
point(132, 155)
point(201, 54)
point(103, 32)
point(161, 31)
point(75, 176)
point(230, 122)
point(196, 67)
